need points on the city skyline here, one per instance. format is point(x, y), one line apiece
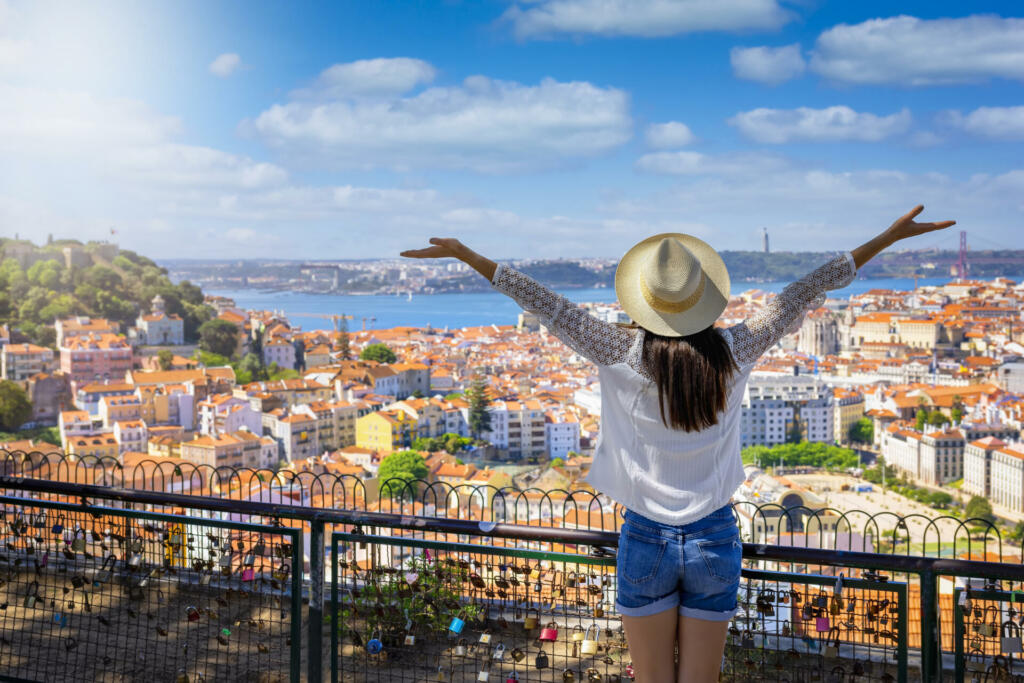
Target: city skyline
point(193, 131)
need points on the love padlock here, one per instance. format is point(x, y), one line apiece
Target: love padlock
point(589, 644)
point(485, 637)
point(577, 633)
point(821, 624)
point(410, 639)
point(32, 597)
point(78, 542)
point(192, 613)
point(541, 661)
point(512, 678)
point(531, 621)
point(549, 633)
point(499, 653)
point(374, 644)
point(460, 648)
point(485, 673)
point(58, 526)
point(456, 625)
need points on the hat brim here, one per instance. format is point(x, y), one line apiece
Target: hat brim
point(694, 319)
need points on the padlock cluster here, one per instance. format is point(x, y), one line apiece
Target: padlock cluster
point(481, 620)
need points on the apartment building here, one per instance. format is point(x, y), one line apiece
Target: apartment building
point(941, 455)
point(22, 361)
point(95, 446)
point(385, 431)
point(73, 423)
point(95, 357)
point(849, 407)
point(773, 405)
point(226, 413)
point(118, 408)
point(518, 427)
point(280, 351)
point(235, 449)
point(429, 415)
point(295, 433)
point(1006, 484)
point(131, 435)
point(561, 434)
point(83, 325)
point(978, 465)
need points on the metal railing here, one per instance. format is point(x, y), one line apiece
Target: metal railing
point(169, 603)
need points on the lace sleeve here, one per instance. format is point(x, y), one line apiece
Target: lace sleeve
point(600, 342)
point(757, 334)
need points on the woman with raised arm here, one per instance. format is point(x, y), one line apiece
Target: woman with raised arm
point(669, 450)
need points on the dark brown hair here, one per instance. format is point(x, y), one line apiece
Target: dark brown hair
point(692, 374)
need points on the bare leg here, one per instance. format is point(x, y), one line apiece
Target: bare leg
point(701, 644)
point(652, 646)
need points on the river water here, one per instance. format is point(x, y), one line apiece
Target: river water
point(464, 310)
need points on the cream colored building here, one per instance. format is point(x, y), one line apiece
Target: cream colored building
point(848, 408)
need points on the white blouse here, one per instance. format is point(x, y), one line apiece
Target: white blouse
point(664, 474)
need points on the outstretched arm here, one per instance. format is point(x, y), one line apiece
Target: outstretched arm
point(598, 341)
point(757, 334)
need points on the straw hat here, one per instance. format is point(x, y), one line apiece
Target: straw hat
point(672, 284)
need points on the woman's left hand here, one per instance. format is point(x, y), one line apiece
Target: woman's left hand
point(444, 247)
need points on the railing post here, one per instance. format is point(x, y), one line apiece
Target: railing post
point(931, 643)
point(316, 601)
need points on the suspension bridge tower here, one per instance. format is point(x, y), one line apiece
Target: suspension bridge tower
point(961, 262)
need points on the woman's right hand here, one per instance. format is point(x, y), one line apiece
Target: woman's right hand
point(905, 226)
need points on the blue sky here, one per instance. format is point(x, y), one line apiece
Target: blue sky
point(527, 129)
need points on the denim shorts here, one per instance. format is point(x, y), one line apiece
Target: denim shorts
point(694, 567)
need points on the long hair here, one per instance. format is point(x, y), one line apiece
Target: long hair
point(692, 374)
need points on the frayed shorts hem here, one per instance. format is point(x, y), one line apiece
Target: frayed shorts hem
point(666, 603)
point(707, 614)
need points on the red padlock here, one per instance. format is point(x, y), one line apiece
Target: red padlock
point(549, 633)
point(193, 613)
point(512, 678)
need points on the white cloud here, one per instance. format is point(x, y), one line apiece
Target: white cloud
point(241, 235)
point(483, 124)
point(999, 123)
point(814, 209)
point(777, 126)
point(771, 65)
point(669, 135)
point(225, 64)
point(383, 76)
point(905, 50)
point(695, 163)
point(643, 18)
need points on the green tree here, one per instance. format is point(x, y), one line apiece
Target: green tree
point(14, 406)
point(417, 394)
point(399, 468)
point(557, 462)
point(795, 433)
point(980, 508)
point(165, 357)
point(218, 336)
point(921, 418)
point(479, 400)
point(1017, 534)
point(427, 443)
point(453, 443)
point(937, 419)
point(862, 431)
point(251, 366)
point(379, 353)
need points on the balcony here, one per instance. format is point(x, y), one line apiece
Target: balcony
point(167, 582)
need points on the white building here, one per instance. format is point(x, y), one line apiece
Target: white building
point(159, 328)
point(131, 435)
point(279, 351)
point(562, 434)
point(772, 405)
point(226, 413)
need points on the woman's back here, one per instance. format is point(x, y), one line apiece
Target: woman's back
point(668, 475)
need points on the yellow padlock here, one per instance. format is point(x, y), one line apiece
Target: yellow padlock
point(530, 622)
point(589, 644)
point(577, 633)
